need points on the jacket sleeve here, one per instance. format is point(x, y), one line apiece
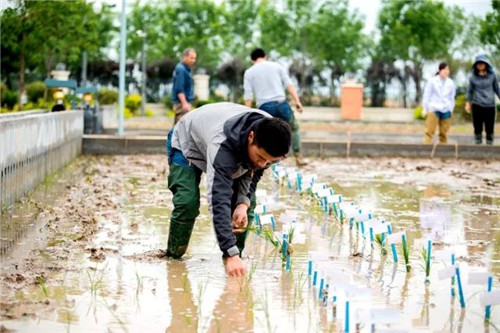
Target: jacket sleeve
point(496, 89)
point(470, 90)
point(220, 167)
point(427, 96)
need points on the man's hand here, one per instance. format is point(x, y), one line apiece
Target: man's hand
point(235, 266)
point(240, 220)
point(299, 106)
point(186, 106)
point(467, 107)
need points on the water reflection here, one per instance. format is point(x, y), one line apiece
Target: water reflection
point(233, 311)
point(184, 310)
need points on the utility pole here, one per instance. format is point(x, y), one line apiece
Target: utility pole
point(142, 34)
point(121, 94)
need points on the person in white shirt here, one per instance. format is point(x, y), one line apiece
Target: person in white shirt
point(438, 104)
point(267, 80)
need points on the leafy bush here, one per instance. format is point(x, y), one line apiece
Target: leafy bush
point(133, 102)
point(417, 113)
point(3, 92)
point(167, 101)
point(10, 99)
point(35, 91)
point(149, 113)
point(198, 103)
point(459, 110)
point(107, 96)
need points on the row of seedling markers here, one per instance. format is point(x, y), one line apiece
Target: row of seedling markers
point(331, 284)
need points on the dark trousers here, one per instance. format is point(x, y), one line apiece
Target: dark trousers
point(483, 117)
point(283, 110)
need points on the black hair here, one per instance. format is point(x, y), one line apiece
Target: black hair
point(273, 135)
point(257, 53)
point(442, 65)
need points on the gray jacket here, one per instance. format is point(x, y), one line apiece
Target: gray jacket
point(214, 139)
point(482, 89)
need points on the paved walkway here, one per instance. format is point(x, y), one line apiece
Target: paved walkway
point(371, 117)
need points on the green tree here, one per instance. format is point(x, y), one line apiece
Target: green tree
point(29, 42)
point(16, 40)
point(336, 40)
point(416, 32)
point(490, 26)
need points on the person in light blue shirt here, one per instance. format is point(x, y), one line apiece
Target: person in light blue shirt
point(182, 89)
point(438, 104)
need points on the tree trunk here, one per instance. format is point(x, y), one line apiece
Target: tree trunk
point(417, 78)
point(21, 78)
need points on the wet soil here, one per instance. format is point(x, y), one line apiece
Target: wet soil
point(97, 264)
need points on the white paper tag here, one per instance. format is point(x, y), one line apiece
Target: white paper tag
point(265, 200)
point(286, 219)
point(318, 186)
point(298, 238)
point(318, 255)
point(266, 219)
point(446, 273)
point(334, 198)
point(490, 298)
point(385, 316)
point(362, 215)
point(396, 237)
point(380, 228)
point(335, 277)
point(478, 278)
point(259, 209)
point(324, 192)
point(259, 193)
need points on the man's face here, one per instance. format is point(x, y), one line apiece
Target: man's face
point(258, 156)
point(481, 66)
point(190, 59)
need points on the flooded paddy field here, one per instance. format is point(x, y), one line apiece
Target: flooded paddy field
point(81, 253)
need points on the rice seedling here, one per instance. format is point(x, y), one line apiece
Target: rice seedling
point(380, 240)
point(42, 283)
point(406, 253)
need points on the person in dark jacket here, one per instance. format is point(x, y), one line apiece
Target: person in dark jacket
point(233, 144)
point(483, 85)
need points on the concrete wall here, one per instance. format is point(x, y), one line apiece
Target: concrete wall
point(34, 146)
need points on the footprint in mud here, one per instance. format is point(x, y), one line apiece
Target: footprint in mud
point(149, 256)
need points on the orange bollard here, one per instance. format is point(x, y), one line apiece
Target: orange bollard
point(352, 101)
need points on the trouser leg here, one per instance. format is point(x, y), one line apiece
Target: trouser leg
point(184, 183)
point(477, 122)
point(431, 122)
point(444, 127)
point(294, 125)
point(489, 124)
point(179, 112)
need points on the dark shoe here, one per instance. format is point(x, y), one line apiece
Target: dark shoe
point(478, 139)
point(489, 142)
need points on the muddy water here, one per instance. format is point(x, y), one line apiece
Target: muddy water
point(99, 267)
